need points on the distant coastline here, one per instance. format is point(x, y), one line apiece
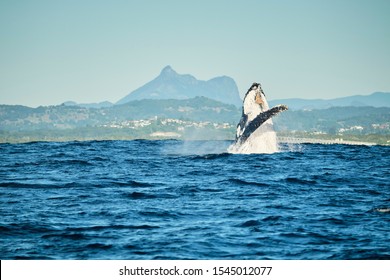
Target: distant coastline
point(292, 140)
point(205, 135)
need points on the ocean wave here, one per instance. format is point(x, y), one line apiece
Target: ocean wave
point(241, 182)
point(135, 200)
point(140, 195)
point(210, 156)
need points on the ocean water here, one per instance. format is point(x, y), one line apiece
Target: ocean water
point(192, 200)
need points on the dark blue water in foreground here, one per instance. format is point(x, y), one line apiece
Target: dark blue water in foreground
point(190, 200)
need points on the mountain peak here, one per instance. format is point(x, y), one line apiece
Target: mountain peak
point(167, 71)
point(171, 85)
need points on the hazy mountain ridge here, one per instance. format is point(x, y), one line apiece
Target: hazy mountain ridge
point(376, 99)
point(103, 104)
point(171, 85)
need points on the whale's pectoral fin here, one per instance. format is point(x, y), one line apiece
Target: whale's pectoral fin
point(260, 119)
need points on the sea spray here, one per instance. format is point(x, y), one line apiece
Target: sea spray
point(196, 147)
point(193, 143)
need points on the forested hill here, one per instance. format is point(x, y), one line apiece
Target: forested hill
point(62, 116)
point(331, 120)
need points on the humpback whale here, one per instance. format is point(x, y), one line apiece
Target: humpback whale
point(255, 133)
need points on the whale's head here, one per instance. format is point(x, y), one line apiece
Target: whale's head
point(255, 87)
point(255, 100)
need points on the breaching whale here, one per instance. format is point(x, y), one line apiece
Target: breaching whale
point(255, 133)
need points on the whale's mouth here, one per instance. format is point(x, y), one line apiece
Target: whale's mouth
point(259, 100)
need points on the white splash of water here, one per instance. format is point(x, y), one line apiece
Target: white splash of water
point(262, 141)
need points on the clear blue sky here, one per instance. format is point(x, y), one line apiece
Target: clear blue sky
point(91, 51)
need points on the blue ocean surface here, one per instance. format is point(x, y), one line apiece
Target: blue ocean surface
point(192, 200)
